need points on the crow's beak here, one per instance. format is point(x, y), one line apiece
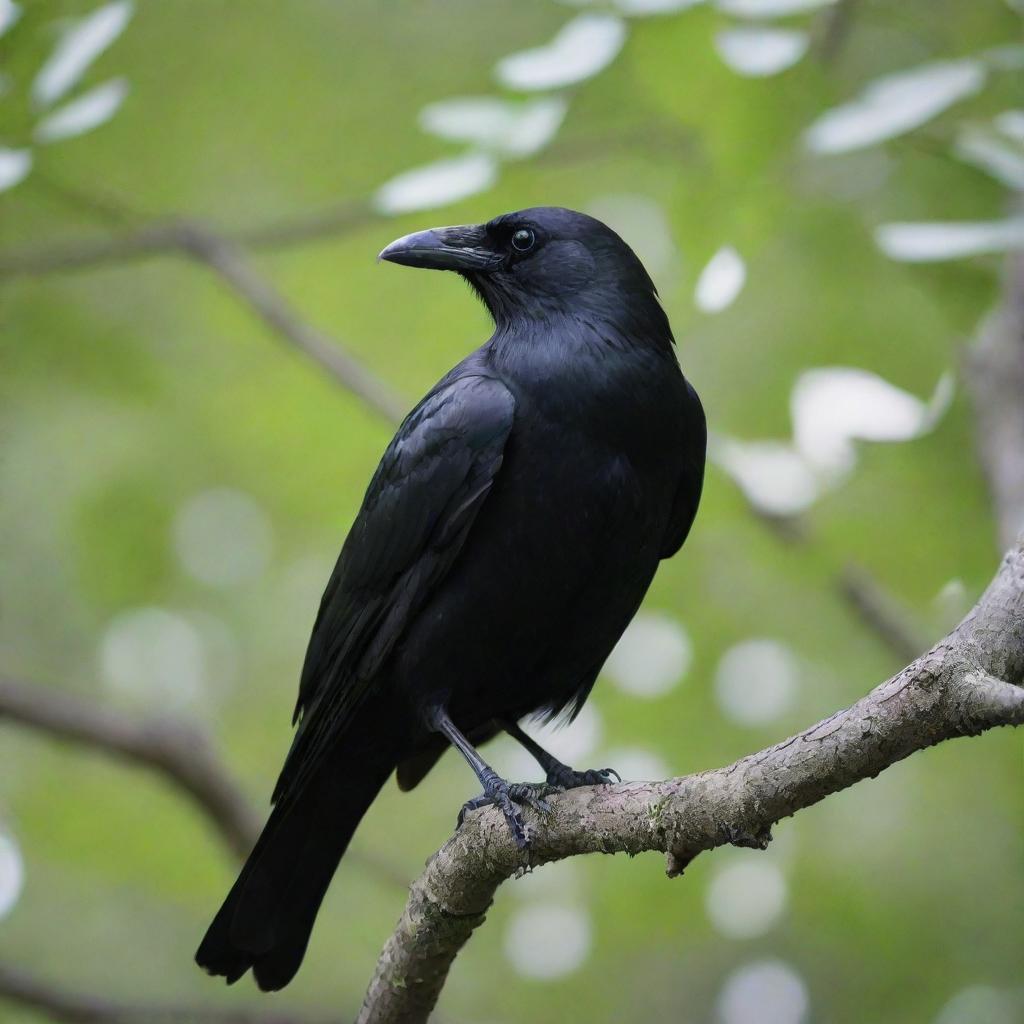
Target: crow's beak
point(461, 248)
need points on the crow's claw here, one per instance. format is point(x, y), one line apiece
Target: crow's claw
point(506, 795)
point(563, 777)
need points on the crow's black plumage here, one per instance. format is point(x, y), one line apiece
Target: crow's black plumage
point(504, 543)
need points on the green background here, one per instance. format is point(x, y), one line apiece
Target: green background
point(126, 390)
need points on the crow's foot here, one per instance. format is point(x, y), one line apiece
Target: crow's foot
point(507, 796)
point(563, 777)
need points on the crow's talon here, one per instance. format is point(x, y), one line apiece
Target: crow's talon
point(563, 777)
point(506, 796)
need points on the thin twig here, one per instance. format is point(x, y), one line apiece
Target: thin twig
point(881, 612)
point(74, 1007)
point(994, 365)
point(179, 751)
point(228, 260)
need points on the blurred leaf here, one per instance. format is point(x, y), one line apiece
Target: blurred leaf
point(583, 47)
point(437, 184)
point(83, 113)
point(14, 166)
point(929, 243)
point(759, 52)
point(895, 104)
point(79, 46)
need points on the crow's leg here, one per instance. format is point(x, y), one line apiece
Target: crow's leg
point(496, 790)
point(558, 774)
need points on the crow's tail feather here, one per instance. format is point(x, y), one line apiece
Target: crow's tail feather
point(267, 918)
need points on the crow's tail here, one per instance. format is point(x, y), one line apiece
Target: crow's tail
point(267, 918)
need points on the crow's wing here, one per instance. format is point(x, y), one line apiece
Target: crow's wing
point(691, 480)
point(417, 512)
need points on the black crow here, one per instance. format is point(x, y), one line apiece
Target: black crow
point(505, 541)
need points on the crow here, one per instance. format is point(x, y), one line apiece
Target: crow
point(505, 541)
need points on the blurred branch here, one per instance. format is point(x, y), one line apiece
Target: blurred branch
point(865, 596)
point(994, 365)
point(227, 259)
point(179, 751)
point(971, 681)
point(81, 1008)
point(836, 23)
point(229, 262)
point(880, 612)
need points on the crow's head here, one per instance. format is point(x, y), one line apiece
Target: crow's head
point(538, 263)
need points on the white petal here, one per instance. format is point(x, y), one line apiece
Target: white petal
point(508, 128)
point(652, 656)
point(83, 113)
point(949, 240)
point(746, 898)
point(643, 8)
point(1001, 158)
point(1011, 124)
point(772, 475)
point(982, 1004)
point(758, 52)
point(546, 941)
point(831, 407)
point(721, 281)
point(12, 874)
point(757, 681)
point(437, 184)
point(78, 48)
point(585, 46)
point(10, 12)
point(154, 658)
point(767, 990)
point(895, 104)
point(223, 537)
point(14, 166)
point(769, 8)
point(642, 222)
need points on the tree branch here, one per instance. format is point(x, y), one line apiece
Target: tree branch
point(73, 1007)
point(229, 262)
point(994, 366)
point(179, 751)
point(970, 681)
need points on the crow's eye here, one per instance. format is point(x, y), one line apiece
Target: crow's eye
point(522, 240)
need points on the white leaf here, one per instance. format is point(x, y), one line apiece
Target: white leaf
point(949, 240)
point(85, 112)
point(652, 656)
point(12, 874)
point(10, 12)
point(769, 8)
point(642, 223)
point(78, 48)
point(1011, 124)
point(765, 990)
point(643, 8)
point(759, 52)
point(893, 105)
point(1002, 159)
point(14, 166)
point(508, 128)
point(772, 475)
point(436, 184)
point(721, 281)
point(583, 47)
point(834, 406)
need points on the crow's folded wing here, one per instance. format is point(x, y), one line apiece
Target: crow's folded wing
point(418, 510)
